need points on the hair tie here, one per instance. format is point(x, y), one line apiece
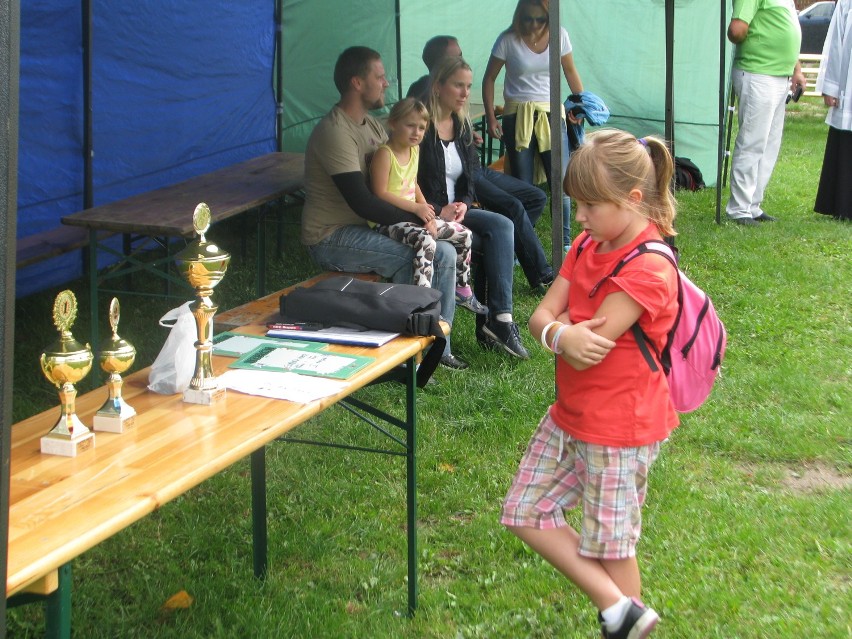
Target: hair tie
point(643, 142)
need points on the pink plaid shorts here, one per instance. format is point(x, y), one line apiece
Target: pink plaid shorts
point(557, 472)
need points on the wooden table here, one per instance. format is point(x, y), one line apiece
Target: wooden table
point(167, 213)
point(60, 507)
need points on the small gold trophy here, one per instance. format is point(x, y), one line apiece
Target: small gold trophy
point(117, 355)
point(203, 264)
point(63, 364)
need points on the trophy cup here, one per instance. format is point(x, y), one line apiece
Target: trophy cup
point(117, 355)
point(63, 364)
point(203, 265)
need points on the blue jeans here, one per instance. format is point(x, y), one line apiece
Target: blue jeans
point(523, 204)
point(493, 244)
point(521, 165)
point(360, 249)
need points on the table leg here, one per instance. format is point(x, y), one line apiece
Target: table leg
point(58, 607)
point(411, 480)
point(126, 248)
point(261, 252)
point(93, 287)
point(258, 511)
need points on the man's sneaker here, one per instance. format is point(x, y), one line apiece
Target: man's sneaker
point(543, 284)
point(472, 304)
point(763, 217)
point(745, 221)
point(638, 622)
point(484, 341)
point(451, 361)
point(506, 336)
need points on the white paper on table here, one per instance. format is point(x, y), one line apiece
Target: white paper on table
point(324, 363)
point(290, 386)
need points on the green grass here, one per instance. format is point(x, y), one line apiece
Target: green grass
point(746, 528)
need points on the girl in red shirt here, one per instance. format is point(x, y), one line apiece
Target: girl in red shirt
point(599, 438)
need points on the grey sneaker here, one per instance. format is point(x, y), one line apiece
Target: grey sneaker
point(745, 221)
point(472, 304)
point(637, 623)
point(506, 336)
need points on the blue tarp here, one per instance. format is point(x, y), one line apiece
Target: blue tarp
point(178, 90)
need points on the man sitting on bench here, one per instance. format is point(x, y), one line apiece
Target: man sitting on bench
point(338, 201)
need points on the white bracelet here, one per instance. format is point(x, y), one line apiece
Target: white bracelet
point(554, 345)
point(544, 334)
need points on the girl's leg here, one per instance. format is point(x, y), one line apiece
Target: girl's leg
point(559, 547)
point(423, 244)
point(460, 238)
point(625, 573)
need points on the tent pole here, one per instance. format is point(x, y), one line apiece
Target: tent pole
point(670, 134)
point(9, 70)
point(557, 241)
point(725, 106)
point(279, 76)
point(398, 10)
point(669, 99)
point(88, 150)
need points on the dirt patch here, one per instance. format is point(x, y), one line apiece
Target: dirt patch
point(808, 478)
point(816, 478)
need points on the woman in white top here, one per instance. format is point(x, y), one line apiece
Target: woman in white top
point(523, 49)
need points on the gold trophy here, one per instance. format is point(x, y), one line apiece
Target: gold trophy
point(63, 364)
point(203, 264)
point(117, 355)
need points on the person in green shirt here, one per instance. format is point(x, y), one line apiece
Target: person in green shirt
point(766, 68)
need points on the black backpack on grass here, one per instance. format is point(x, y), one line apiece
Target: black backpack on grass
point(687, 175)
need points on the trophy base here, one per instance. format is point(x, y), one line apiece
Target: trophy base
point(53, 445)
point(203, 397)
point(113, 423)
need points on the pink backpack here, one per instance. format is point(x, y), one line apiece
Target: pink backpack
point(695, 345)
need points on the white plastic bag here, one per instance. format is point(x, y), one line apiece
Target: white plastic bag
point(172, 371)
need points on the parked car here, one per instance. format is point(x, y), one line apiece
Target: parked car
point(814, 21)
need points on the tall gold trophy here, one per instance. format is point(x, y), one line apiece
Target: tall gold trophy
point(203, 264)
point(116, 356)
point(65, 363)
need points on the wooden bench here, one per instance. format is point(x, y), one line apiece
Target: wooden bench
point(266, 309)
point(51, 243)
point(810, 68)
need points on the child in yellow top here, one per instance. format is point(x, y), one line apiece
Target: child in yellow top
point(393, 177)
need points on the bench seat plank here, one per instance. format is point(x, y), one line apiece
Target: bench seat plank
point(228, 191)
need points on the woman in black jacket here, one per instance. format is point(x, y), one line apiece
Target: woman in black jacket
point(448, 158)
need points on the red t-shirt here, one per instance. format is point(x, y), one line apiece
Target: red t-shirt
point(620, 401)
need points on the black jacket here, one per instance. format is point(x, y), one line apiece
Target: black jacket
point(432, 172)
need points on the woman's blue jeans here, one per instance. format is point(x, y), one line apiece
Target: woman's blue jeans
point(521, 164)
point(494, 244)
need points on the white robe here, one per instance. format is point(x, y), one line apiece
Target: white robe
point(835, 71)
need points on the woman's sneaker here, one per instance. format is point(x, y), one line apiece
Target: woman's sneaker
point(471, 303)
point(506, 336)
point(637, 623)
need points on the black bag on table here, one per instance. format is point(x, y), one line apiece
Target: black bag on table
point(380, 306)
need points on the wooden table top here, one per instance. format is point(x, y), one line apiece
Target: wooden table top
point(228, 191)
point(60, 506)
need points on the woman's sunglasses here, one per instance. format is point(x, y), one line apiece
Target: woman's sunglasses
point(531, 19)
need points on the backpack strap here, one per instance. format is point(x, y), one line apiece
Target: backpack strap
point(651, 246)
point(582, 244)
point(646, 346)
